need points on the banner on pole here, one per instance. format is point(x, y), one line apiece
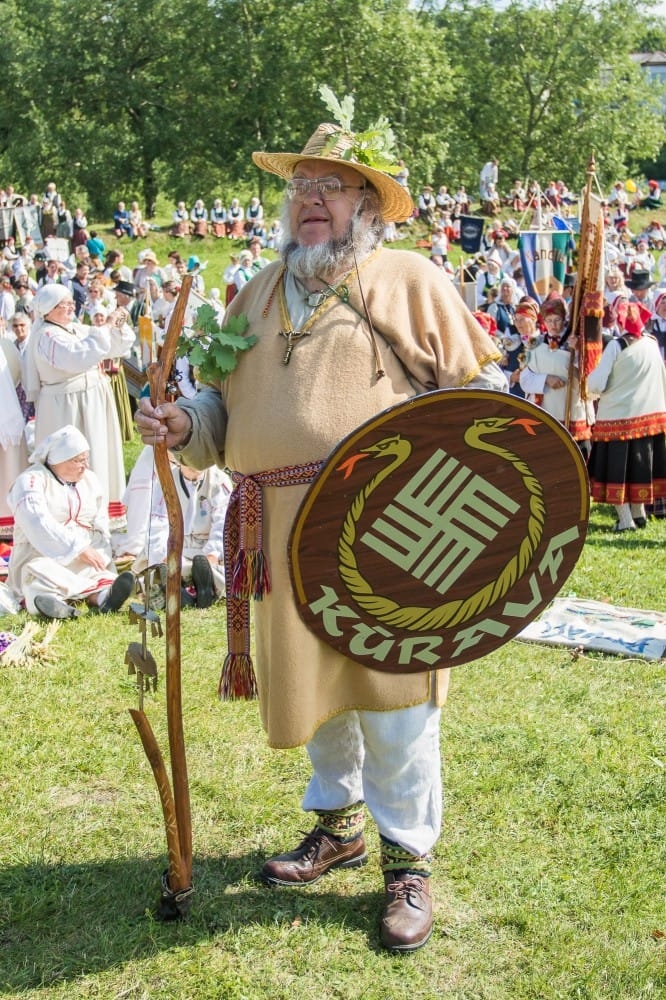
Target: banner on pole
point(471, 231)
point(543, 256)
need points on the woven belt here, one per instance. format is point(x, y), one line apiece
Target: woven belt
point(246, 569)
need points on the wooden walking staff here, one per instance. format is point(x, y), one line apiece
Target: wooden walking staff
point(177, 880)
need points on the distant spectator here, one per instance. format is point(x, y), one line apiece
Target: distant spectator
point(426, 205)
point(274, 234)
point(79, 228)
point(653, 198)
point(489, 175)
point(115, 261)
point(228, 276)
point(402, 177)
point(181, 221)
point(196, 268)
point(199, 219)
point(255, 247)
point(517, 198)
point(121, 222)
point(244, 270)
point(235, 220)
point(462, 201)
point(218, 219)
point(139, 227)
point(80, 287)
point(96, 245)
point(50, 203)
point(64, 222)
point(254, 214)
point(444, 200)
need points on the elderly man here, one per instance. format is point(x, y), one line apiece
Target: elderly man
point(344, 330)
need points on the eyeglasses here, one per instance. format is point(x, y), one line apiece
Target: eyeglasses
point(328, 188)
point(81, 460)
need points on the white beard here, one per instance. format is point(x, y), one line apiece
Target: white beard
point(334, 257)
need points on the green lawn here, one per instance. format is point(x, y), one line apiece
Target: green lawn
point(549, 875)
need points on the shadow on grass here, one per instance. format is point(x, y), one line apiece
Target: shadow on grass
point(642, 538)
point(61, 922)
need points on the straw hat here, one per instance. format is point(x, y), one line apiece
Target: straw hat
point(395, 204)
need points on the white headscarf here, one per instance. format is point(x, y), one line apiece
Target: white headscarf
point(46, 299)
point(64, 443)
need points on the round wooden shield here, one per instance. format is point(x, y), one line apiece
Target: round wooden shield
point(437, 530)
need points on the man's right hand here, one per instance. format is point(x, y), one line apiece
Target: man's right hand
point(166, 422)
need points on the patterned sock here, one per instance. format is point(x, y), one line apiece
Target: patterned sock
point(395, 858)
point(343, 824)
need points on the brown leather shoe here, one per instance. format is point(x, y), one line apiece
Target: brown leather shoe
point(316, 854)
point(407, 917)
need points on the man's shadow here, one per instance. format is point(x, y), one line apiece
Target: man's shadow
point(61, 922)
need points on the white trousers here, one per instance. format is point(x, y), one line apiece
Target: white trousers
point(391, 760)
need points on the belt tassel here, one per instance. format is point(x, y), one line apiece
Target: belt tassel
point(246, 569)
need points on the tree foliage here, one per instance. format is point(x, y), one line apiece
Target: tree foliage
point(132, 98)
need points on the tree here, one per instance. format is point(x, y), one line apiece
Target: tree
point(132, 98)
point(544, 85)
point(108, 90)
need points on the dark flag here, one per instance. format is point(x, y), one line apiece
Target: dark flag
point(471, 231)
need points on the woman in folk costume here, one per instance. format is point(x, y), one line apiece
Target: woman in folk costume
point(181, 221)
point(199, 219)
point(62, 545)
point(62, 375)
point(545, 379)
point(254, 214)
point(235, 220)
point(114, 371)
point(218, 219)
point(13, 450)
point(628, 461)
point(519, 344)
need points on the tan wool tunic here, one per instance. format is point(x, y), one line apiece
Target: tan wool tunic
point(281, 415)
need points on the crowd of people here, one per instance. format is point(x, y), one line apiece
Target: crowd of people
point(83, 535)
point(67, 323)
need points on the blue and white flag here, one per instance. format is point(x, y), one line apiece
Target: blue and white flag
point(544, 257)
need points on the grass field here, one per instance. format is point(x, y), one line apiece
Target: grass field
point(549, 875)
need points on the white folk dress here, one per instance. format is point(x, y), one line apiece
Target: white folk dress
point(74, 390)
point(53, 523)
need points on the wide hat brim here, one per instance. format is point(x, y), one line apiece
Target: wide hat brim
point(395, 202)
